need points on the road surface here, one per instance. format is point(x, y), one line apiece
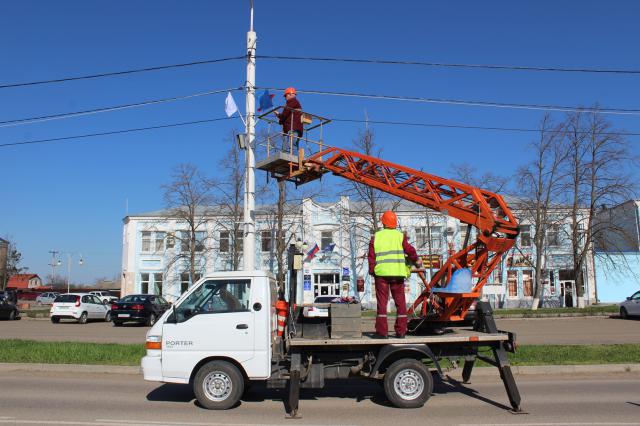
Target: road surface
point(572, 330)
point(120, 399)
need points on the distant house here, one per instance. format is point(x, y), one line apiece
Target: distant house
point(24, 281)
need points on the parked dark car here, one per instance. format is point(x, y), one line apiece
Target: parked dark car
point(8, 310)
point(140, 308)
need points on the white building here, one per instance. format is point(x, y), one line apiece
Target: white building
point(341, 232)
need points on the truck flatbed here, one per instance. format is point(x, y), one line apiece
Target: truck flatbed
point(456, 335)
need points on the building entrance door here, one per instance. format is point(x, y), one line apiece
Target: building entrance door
point(568, 289)
point(326, 285)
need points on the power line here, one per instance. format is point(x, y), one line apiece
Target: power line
point(461, 126)
point(451, 65)
point(486, 104)
point(31, 120)
point(119, 73)
point(397, 123)
point(114, 132)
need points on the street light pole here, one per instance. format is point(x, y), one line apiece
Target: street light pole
point(249, 198)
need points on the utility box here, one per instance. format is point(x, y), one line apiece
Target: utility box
point(346, 321)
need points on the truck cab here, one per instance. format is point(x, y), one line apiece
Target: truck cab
point(225, 317)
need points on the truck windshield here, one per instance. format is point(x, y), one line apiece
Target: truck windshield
point(215, 297)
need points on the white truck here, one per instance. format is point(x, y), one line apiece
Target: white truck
point(222, 334)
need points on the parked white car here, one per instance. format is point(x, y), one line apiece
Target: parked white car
point(105, 296)
point(631, 306)
point(81, 307)
point(47, 298)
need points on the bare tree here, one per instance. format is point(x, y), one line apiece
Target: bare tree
point(598, 173)
point(188, 199)
point(539, 185)
point(467, 173)
point(229, 198)
point(13, 260)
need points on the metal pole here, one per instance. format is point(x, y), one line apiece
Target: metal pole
point(68, 272)
point(249, 204)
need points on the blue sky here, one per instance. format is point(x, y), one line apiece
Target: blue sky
point(71, 196)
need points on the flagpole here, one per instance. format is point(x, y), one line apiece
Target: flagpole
point(249, 197)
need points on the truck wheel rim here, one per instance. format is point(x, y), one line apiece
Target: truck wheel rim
point(408, 384)
point(217, 386)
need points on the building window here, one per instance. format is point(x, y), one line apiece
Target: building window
point(157, 284)
point(527, 283)
point(171, 240)
point(146, 241)
point(552, 283)
point(326, 239)
point(200, 237)
point(184, 281)
point(224, 241)
point(553, 235)
point(144, 283)
point(421, 237)
point(239, 241)
point(159, 242)
point(525, 236)
point(266, 241)
point(436, 238)
point(185, 239)
point(512, 283)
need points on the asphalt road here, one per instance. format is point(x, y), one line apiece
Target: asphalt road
point(114, 399)
point(572, 330)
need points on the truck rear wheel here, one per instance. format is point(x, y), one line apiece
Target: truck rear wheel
point(218, 385)
point(408, 383)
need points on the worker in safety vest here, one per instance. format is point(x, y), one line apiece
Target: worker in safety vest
point(291, 116)
point(389, 251)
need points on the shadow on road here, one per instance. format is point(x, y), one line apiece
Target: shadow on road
point(358, 390)
point(171, 392)
point(452, 385)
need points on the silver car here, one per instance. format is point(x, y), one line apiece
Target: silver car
point(47, 298)
point(631, 306)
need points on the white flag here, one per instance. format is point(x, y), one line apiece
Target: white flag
point(230, 106)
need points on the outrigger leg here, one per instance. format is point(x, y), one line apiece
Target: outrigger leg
point(485, 322)
point(294, 387)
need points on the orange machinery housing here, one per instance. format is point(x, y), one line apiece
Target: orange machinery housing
point(496, 225)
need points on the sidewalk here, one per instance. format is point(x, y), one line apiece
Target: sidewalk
point(533, 370)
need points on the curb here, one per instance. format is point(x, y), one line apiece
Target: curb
point(70, 368)
point(522, 370)
point(541, 370)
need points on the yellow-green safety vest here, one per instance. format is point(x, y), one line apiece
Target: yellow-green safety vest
point(390, 261)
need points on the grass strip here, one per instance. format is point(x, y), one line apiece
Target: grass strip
point(30, 351)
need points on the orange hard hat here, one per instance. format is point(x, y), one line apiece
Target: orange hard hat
point(389, 219)
point(289, 90)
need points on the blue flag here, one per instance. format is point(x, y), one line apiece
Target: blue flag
point(265, 101)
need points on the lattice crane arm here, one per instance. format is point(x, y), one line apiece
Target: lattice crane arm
point(487, 211)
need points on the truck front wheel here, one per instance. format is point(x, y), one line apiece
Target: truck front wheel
point(218, 385)
point(408, 383)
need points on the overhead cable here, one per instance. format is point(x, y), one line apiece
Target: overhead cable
point(462, 126)
point(115, 132)
point(32, 120)
point(398, 123)
point(119, 73)
point(451, 65)
point(486, 104)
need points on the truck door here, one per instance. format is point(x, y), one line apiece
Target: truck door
point(216, 319)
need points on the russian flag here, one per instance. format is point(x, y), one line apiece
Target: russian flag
point(315, 249)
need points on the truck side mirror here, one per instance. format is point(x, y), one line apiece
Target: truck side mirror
point(257, 306)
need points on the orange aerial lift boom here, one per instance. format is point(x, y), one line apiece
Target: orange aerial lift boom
point(496, 225)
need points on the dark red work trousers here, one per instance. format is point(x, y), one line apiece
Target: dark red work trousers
point(396, 285)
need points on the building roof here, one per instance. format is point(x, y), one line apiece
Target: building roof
point(20, 280)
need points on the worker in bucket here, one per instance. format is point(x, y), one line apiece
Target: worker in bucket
point(291, 118)
point(389, 250)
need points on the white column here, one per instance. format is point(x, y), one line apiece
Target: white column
point(249, 198)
